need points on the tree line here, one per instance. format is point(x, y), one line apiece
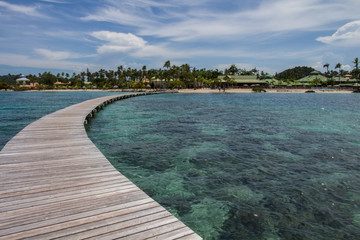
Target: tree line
point(169, 76)
point(300, 72)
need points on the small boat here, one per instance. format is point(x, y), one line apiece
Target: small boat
point(310, 91)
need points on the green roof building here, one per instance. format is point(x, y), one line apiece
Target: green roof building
point(271, 80)
point(242, 80)
point(315, 78)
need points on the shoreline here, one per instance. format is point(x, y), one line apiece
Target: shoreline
point(268, 90)
point(202, 90)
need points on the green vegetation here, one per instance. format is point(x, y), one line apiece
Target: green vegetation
point(294, 73)
point(170, 76)
point(4, 84)
point(185, 76)
point(258, 89)
point(356, 71)
point(233, 70)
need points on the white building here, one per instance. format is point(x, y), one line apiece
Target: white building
point(22, 80)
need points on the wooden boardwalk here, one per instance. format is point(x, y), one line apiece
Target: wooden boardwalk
point(54, 183)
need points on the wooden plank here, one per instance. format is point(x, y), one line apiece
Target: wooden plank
point(43, 201)
point(81, 227)
point(55, 183)
point(129, 227)
point(70, 211)
point(148, 233)
point(174, 234)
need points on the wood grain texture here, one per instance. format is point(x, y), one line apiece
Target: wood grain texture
point(55, 183)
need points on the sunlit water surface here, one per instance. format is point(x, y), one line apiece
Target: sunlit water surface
point(231, 166)
point(18, 109)
point(242, 166)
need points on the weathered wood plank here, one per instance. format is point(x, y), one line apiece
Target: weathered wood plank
point(71, 211)
point(56, 184)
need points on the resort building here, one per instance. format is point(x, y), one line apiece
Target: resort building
point(348, 76)
point(58, 84)
point(159, 83)
point(25, 82)
point(315, 78)
point(22, 80)
point(346, 82)
point(271, 81)
point(242, 81)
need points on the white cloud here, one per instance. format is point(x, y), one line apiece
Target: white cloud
point(30, 11)
point(132, 45)
point(347, 35)
point(115, 15)
point(53, 55)
point(135, 46)
point(184, 21)
point(53, 1)
point(17, 60)
point(346, 67)
point(118, 42)
point(59, 55)
point(75, 35)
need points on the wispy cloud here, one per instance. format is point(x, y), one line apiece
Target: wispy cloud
point(27, 10)
point(59, 55)
point(204, 33)
point(18, 60)
point(135, 46)
point(53, 55)
point(54, 1)
point(119, 16)
point(128, 43)
point(347, 35)
point(198, 22)
point(75, 35)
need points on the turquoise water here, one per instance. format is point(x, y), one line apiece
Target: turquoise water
point(231, 166)
point(18, 109)
point(242, 166)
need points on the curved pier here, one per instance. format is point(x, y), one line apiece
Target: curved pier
point(54, 183)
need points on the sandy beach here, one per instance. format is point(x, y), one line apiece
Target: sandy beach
point(205, 90)
point(272, 90)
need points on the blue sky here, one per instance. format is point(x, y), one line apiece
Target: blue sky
point(271, 35)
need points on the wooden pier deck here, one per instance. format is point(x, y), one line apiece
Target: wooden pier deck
point(54, 183)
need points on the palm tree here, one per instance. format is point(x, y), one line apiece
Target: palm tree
point(120, 70)
point(356, 62)
point(167, 64)
point(143, 71)
point(326, 65)
point(339, 67)
point(356, 71)
point(233, 69)
point(102, 73)
point(83, 74)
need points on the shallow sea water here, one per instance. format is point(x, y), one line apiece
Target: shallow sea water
point(242, 166)
point(18, 109)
